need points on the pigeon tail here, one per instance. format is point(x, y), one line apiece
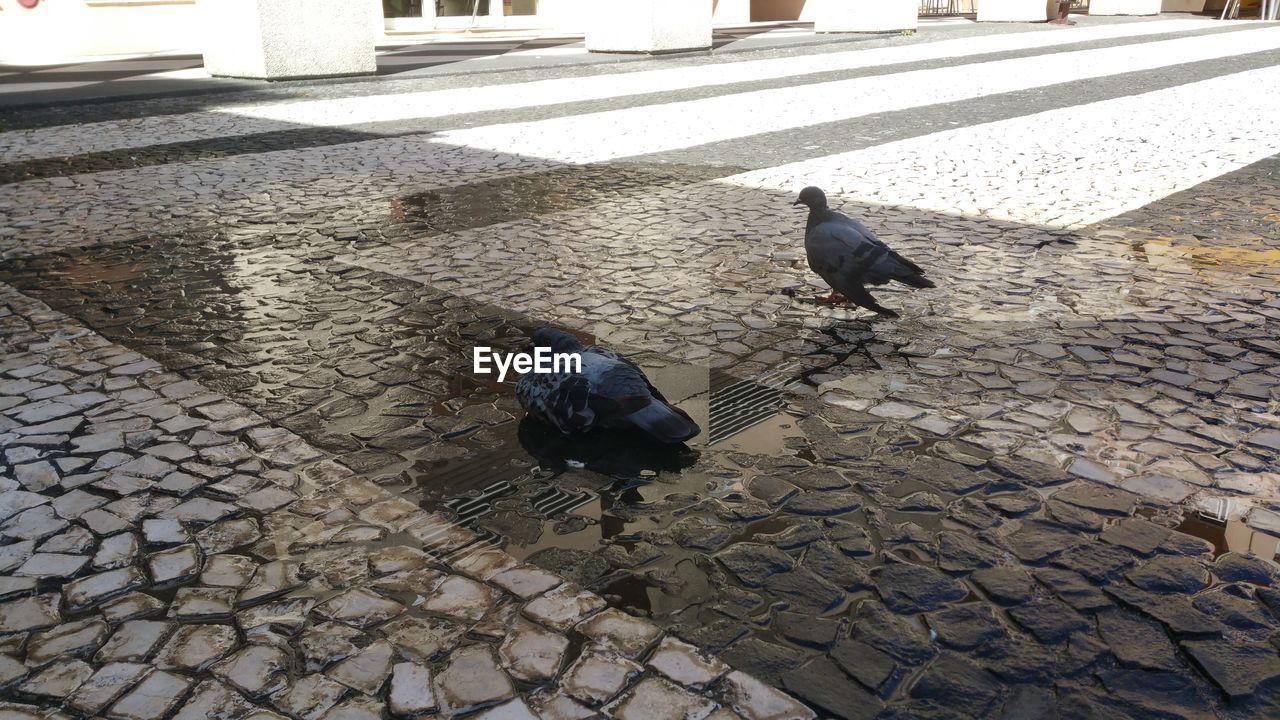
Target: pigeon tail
point(916, 281)
point(859, 296)
point(664, 423)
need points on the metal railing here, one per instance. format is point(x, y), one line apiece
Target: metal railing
point(940, 8)
point(934, 8)
point(1267, 10)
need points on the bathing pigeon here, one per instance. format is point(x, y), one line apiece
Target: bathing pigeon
point(609, 392)
point(849, 256)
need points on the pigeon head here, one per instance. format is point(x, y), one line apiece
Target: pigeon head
point(558, 340)
point(813, 197)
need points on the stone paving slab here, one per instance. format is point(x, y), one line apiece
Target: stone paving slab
point(731, 116)
point(185, 193)
point(279, 583)
point(251, 119)
point(829, 552)
point(203, 193)
point(1040, 182)
point(1057, 335)
point(167, 75)
point(62, 113)
point(1026, 497)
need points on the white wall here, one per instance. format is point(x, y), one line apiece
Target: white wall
point(730, 12)
point(60, 29)
point(569, 16)
point(281, 39)
point(649, 26)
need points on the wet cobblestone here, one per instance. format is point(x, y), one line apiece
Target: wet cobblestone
point(287, 544)
point(252, 472)
point(894, 509)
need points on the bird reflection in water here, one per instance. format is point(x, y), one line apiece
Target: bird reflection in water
point(618, 454)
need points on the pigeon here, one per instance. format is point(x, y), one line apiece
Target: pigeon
point(849, 256)
point(609, 392)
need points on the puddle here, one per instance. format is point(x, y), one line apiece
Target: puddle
point(737, 406)
point(1164, 251)
point(1219, 520)
point(521, 196)
point(376, 370)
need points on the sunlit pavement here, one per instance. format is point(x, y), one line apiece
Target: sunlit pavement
point(247, 465)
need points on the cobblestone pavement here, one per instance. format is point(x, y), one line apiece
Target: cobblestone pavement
point(172, 553)
point(157, 75)
point(246, 466)
point(238, 119)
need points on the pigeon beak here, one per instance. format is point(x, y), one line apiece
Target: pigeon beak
point(797, 202)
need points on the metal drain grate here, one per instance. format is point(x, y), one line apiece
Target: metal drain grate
point(548, 504)
point(468, 509)
point(458, 477)
point(556, 501)
point(737, 405)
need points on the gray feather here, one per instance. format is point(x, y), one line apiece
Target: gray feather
point(609, 392)
point(849, 256)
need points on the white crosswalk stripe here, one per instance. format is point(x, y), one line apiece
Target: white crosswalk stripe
point(1166, 140)
point(241, 120)
point(598, 137)
point(1121, 155)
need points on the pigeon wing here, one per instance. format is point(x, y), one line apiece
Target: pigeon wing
point(839, 254)
point(867, 233)
point(845, 257)
point(624, 398)
point(613, 355)
point(562, 400)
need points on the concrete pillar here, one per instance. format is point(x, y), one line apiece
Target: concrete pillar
point(376, 19)
point(284, 39)
point(649, 26)
point(731, 12)
point(1125, 7)
point(866, 15)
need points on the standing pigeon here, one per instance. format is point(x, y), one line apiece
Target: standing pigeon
point(849, 256)
point(609, 392)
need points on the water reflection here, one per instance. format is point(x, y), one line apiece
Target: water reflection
point(614, 453)
point(1220, 521)
point(512, 198)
